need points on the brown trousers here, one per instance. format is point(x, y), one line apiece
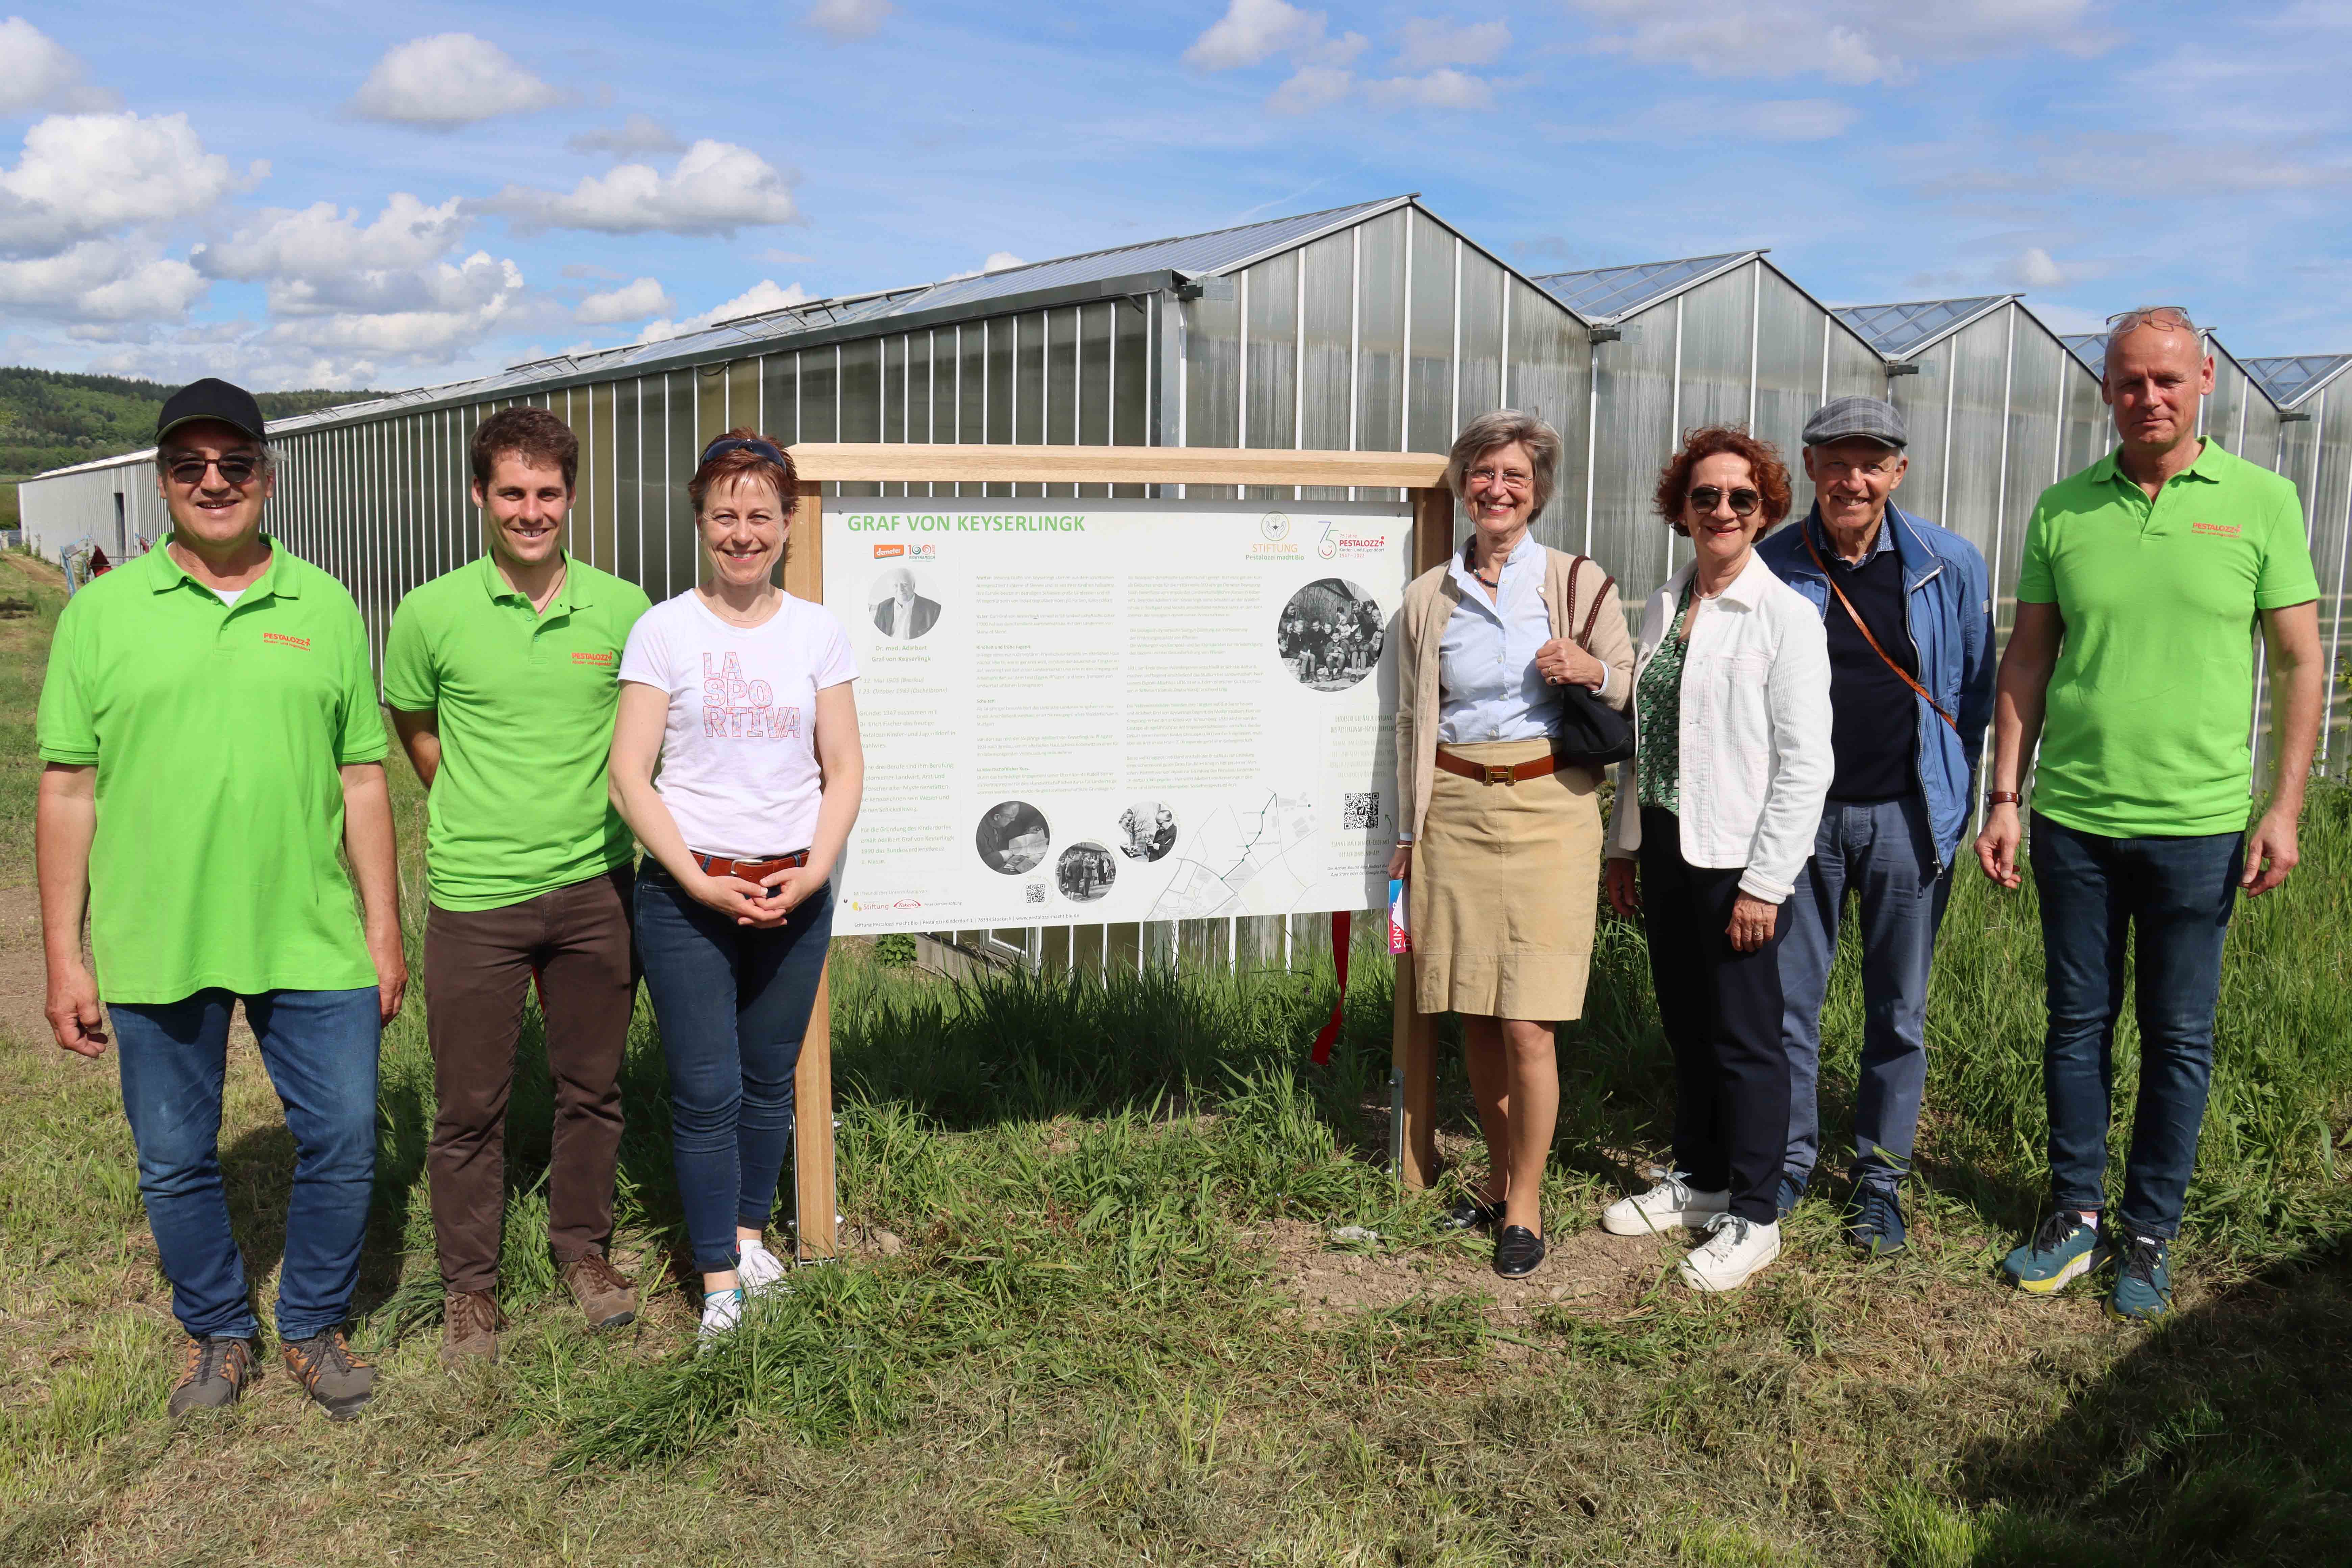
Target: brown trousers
point(478, 971)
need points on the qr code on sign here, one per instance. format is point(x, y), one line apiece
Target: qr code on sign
point(1034, 893)
point(1361, 810)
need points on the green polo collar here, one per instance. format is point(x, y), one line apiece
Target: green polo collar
point(574, 592)
point(2212, 465)
point(277, 579)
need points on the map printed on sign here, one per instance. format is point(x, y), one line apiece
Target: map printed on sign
point(1097, 712)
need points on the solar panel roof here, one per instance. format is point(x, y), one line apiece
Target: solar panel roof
point(1899, 329)
point(2289, 378)
point(1604, 293)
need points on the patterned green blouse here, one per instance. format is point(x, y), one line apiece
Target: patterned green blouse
point(1658, 713)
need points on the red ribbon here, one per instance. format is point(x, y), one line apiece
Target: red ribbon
point(1342, 923)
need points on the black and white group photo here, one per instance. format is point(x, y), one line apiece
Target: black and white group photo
point(1330, 634)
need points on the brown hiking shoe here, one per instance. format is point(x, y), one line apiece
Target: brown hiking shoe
point(604, 1292)
point(470, 1322)
point(341, 1382)
point(214, 1376)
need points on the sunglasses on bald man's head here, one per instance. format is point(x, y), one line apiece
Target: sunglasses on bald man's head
point(1744, 502)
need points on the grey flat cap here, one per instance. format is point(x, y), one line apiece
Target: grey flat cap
point(1856, 418)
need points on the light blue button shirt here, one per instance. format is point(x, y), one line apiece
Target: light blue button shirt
point(1489, 687)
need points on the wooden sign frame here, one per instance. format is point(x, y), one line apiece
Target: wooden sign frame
point(1412, 1138)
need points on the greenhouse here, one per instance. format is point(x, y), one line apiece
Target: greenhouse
point(1372, 327)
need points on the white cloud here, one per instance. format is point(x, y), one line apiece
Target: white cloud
point(644, 296)
point(102, 281)
point(759, 297)
point(1253, 31)
point(1311, 88)
point(717, 188)
point(1851, 42)
point(1796, 119)
point(434, 311)
point(2039, 272)
point(86, 175)
point(1002, 261)
point(37, 72)
point(447, 80)
point(1427, 43)
point(637, 133)
point(322, 241)
point(1444, 88)
point(842, 20)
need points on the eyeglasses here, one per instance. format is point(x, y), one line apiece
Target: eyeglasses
point(1509, 478)
point(1744, 502)
point(237, 469)
point(2171, 318)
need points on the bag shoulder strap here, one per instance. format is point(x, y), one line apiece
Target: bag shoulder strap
point(1859, 624)
point(1593, 615)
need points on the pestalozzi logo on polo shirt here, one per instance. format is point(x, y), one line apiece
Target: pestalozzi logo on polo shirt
point(279, 639)
point(2216, 530)
point(597, 659)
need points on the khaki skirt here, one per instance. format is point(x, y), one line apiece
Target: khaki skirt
point(1506, 885)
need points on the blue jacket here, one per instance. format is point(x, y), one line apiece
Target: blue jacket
point(1948, 606)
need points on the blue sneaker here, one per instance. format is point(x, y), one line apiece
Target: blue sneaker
point(2143, 1281)
point(2062, 1251)
point(1792, 1193)
point(1875, 1224)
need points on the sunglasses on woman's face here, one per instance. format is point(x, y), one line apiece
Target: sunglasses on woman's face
point(1744, 502)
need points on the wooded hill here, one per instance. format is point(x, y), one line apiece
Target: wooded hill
point(50, 418)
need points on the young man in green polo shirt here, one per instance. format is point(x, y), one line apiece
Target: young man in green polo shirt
point(501, 679)
point(2132, 659)
point(210, 728)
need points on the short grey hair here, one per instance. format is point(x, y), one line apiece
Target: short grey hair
point(1501, 428)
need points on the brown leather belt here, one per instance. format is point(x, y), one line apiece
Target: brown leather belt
point(1489, 772)
point(750, 870)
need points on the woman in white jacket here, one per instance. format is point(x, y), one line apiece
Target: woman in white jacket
point(1714, 821)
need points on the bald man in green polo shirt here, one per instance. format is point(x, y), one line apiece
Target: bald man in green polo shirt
point(213, 749)
point(2144, 579)
point(502, 677)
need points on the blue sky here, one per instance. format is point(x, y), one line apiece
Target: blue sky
point(346, 195)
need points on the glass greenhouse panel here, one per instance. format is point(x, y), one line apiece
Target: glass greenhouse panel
point(1380, 334)
point(1130, 376)
point(779, 397)
point(1855, 369)
point(1094, 394)
point(820, 401)
point(1968, 502)
point(1213, 349)
point(710, 420)
point(1270, 361)
point(998, 337)
point(1924, 399)
point(1429, 415)
point(861, 402)
point(628, 496)
point(2329, 509)
point(1634, 437)
point(1789, 357)
point(2038, 378)
point(1029, 389)
point(1718, 346)
point(1327, 351)
point(2090, 432)
point(1478, 367)
point(679, 559)
point(1547, 370)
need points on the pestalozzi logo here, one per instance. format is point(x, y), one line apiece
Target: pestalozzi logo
point(1328, 545)
point(908, 904)
point(885, 552)
point(281, 640)
point(592, 659)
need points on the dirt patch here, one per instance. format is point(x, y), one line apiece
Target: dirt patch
point(1586, 1269)
point(24, 979)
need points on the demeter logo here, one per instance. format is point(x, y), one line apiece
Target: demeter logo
point(885, 552)
point(280, 639)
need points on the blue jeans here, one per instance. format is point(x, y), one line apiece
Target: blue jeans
point(733, 1003)
point(1879, 850)
point(320, 1048)
point(2179, 893)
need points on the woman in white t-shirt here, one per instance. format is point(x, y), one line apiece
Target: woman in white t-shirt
point(742, 694)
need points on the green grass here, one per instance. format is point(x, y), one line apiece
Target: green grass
point(1066, 1334)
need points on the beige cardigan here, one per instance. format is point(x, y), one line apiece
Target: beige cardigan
point(1429, 603)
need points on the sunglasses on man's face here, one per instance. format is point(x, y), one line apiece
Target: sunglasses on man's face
point(1744, 502)
point(236, 470)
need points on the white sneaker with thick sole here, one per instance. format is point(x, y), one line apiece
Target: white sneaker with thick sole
point(1734, 1250)
point(761, 1271)
point(721, 1311)
point(1673, 1204)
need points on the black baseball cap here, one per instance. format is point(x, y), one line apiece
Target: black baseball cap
point(211, 398)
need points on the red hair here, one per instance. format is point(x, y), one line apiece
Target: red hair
point(1721, 440)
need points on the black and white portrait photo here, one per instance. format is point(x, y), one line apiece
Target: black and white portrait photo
point(1012, 837)
point(896, 605)
point(1330, 634)
point(1083, 873)
point(1147, 830)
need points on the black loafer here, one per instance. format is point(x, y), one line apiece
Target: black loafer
point(1469, 1214)
point(1517, 1251)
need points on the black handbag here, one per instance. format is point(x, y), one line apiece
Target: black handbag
point(1591, 733)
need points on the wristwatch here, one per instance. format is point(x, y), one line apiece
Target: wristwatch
point(2001, 797)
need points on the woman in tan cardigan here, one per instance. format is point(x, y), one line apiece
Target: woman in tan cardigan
point(1501, 839)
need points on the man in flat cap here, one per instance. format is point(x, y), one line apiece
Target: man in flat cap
point(1907, 606)
point(213, 749)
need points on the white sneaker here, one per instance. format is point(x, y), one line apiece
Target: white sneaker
point(761, 1271)
point(721, 1311)
point(1673, 1203)
point(1734, 1250)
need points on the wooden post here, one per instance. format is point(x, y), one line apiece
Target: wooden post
point(816, 1191)
point(1413, 1092)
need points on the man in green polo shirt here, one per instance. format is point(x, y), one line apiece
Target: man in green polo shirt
point(211, 736)
point(501, 679)
point(2145, 577)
